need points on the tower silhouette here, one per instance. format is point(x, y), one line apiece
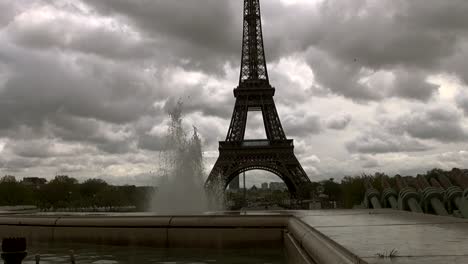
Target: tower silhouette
point(254, 93)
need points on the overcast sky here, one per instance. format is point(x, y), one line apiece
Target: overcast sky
point(362, 85)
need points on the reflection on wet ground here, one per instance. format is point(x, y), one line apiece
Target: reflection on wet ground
point(97, 254)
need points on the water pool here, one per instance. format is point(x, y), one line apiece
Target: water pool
point(97, 254)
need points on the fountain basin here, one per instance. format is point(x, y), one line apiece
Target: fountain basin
point(280, 231)
point(320, 236)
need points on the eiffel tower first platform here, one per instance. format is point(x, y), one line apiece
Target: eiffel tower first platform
point(254, 93)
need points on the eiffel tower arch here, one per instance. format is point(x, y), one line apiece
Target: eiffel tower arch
point(254, 93)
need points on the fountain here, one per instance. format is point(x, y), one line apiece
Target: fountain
point(432, 196)
point(389, 194)
point(182, 182)
point(408, 197)
point(372, 195)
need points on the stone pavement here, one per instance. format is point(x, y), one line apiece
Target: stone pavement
point(417, 238)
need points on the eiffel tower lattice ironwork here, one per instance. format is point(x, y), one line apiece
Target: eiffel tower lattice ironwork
point(254, 93)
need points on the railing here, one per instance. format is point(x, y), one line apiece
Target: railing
point(258, 143)
point(255, 143)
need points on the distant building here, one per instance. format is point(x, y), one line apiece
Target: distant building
point(278, 186)
point(234, 185)
point(265, 186)
point(34, 181)
point(254, 188)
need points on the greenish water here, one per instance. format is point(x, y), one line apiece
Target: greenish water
point(98, 254)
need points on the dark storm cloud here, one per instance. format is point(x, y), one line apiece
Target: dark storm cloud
point(78, 35)
point(412, 85)
point(100, 75)
point(194, 30)
point(199, 98)
point(349, 38)
point(415, 33)
point(339, 77)
point(75, 98)
point(42, 85)
point(458, 63)
point(106, 137)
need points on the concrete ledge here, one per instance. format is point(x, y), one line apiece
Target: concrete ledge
point(246, 221)
point(108, 222)
point(320, 248)
point(34, 221)
point(157, 231)
point(295, 254)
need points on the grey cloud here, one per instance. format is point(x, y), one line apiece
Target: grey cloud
point(457, 63)
point(80, 99)
point(296, 125)
point(194, 29)
point(9, 9)
point(352, 37)
point(152, 142)
point(338, 77)
point(42, 85)
point(369, 161)
point(462, 102)
point(32, 148)
point(63, 33)
point(439, 123)
point(96, 85)
point(349, 79)
point(349, 40)
point(391, 33)
point(339, 122)
point(198, 98)
point(375, 142)
point(411, 85)
point(18, 164)
point(106, 137)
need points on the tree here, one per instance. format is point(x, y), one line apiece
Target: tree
point(60, 192)
point(353, 191)
point(92, 186)
point(8, 179)
point(332, 189)
point(14, 193)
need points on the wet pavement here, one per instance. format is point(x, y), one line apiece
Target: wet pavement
point(374, 234)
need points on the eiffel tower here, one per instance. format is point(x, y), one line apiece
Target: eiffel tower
point(254, 93)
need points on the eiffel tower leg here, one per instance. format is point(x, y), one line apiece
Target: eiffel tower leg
point(281, 162)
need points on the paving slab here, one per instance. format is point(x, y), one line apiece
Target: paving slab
point(417, 238)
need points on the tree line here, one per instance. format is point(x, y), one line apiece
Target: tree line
point(64, 192)
point(351, 190)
